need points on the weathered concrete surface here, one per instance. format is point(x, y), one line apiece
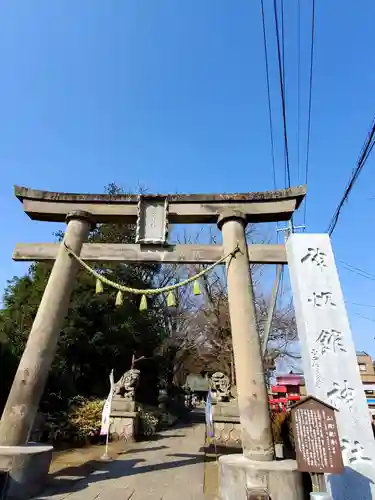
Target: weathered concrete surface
point(28, 469)
point(329, 360)
point(31, 376)
point(239, 475)
point(168, 468)
point(226, 422)
point(253, 404)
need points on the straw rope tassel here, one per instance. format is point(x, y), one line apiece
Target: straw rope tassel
point(143, 304)
point(119, 298)
point(99, 286)
point(196, 288)
point(171, 300)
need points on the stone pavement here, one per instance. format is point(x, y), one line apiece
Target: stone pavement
point(169, 468)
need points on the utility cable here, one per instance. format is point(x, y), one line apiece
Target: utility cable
point(358, 271)
point(363, 157)
point(269, 96)
point(298, 86)
point(309, 105)
point(282, 91)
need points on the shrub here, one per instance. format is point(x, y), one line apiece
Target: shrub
point(287, 431)
point(85, 417)
point(278, 420)
point(148, 422)
point(81, 422)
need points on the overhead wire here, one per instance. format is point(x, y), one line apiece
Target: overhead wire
point(357, 270)
point(282, 39)
point(365, 317)
point(309, 105)
point(359, 304)
point(362, 159)
point(282, 92)
point(298, 85)
point(269, 96)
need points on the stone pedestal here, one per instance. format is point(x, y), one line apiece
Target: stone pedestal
point(239, 476)
point(226, 423)
point(25, 469)
point(124, 420)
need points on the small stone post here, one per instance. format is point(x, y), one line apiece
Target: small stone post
point(253, 405)
point(30, 379)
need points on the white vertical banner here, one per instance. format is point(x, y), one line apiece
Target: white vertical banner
point(107, 407)
point(329, 360)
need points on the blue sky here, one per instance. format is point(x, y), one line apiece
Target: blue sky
point(171, 94)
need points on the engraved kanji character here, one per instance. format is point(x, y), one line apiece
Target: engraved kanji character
point(330, 340)
point(322, 299)
point(314, 357)
point(316, 256)
point(338, 394)
point(354, 450)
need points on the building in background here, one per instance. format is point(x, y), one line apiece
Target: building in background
point(288, 389)
point(367, 372)
point(291, 387)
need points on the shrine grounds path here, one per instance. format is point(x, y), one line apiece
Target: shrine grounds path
point(168, 468)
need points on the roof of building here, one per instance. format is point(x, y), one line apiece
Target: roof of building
point(361, 353)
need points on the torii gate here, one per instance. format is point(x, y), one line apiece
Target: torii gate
point(152, 214)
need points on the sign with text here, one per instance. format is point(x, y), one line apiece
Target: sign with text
point(152, 221)
point(329, 360)
point(316, 437)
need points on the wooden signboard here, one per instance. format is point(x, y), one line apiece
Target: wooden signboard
point(316, 437)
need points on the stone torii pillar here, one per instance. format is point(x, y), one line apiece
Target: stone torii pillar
point(30, 380)
point(253, 404)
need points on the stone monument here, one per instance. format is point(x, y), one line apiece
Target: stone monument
point(124, 421)
point(329, 360)
point(225, 414)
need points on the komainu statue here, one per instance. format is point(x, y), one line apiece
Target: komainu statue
point(220, 386)
point(127, 384)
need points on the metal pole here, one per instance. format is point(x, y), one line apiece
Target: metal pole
point(271, 309)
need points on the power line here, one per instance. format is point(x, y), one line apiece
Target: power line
point(269, 96)
point(359, 304)
point(365, 317)
point(365, 153)
point(282, 39)
point(358, 271)
point(298, 86)
point(309, 106)
point(282, 91)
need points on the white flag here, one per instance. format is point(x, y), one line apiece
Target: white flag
point(107, 407)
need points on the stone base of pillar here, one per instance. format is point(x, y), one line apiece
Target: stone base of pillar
point(227, 432)
point(24, 470)
point(124, 426)
point(239, 477)
point(226, 424)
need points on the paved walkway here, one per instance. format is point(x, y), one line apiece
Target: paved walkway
point(169, 468)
